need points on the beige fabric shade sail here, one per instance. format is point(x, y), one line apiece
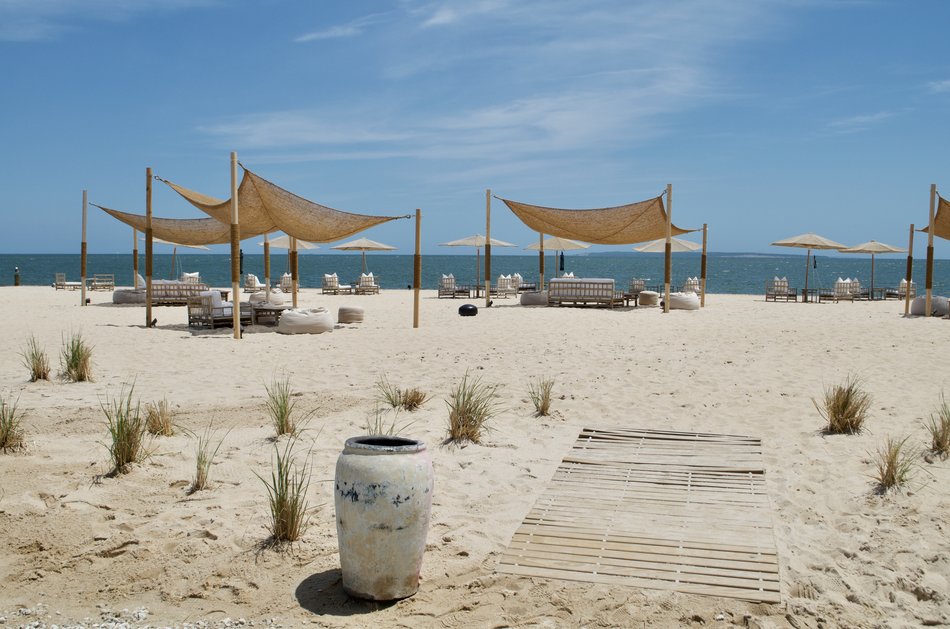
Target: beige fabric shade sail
point(941, 219)
point(183, 231)
point(477, 241)
point(808, 241)
point(620, 225)
point(363, 245)
point(873, 247)
point(677, 245)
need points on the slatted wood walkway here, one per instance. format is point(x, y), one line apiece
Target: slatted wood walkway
point(655, 509)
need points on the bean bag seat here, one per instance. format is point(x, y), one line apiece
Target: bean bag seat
point(683, 301)
point(276, 298)
point(649, 298)
point(468, 310)
point(257, 298)
point(350, 314)
point(305, 321)
point(938, 306)
point(128, 296)
point(534, 298)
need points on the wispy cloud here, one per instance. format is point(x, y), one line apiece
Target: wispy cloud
point(447, 13)
point(939, 86)
point(861, 122)
point(350, 29)
point(39, 20)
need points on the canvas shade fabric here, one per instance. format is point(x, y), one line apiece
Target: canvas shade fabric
point(941, 219)
point(621, 225)
point(183, 231)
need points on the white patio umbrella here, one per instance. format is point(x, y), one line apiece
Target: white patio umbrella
point(175, 246)
point(808, 241)
point(363, 245)
point(477, 241)
point(558, 244)
point(873, 247)
point(677, 245)
point(283, 242)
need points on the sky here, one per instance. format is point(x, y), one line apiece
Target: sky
point(770, 118)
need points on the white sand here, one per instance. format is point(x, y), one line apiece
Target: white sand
point(78, 545)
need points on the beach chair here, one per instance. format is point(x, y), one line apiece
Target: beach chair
point(332, 286)
point(367, 285)
point(842, 290)
point(252, 284)
point(62, 284)
point(208, 310)
point(778, 289)
point(102, 281)
point(505, 287)
point(447, 286)
point(286, 283)
point(691, 285)
point(521, 285)
point(902, 289)
point(190, 278)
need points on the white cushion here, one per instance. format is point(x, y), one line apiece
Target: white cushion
point(683, 301)
point(299, 321)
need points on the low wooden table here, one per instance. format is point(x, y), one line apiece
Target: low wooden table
point(267, 311)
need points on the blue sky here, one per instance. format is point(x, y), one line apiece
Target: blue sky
point(769, 117)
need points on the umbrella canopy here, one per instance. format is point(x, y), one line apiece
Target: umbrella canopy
point(808, 241)
point(283, 242)
point(363, 245)
point(677, 245)
point(477, 241)
point(559, 244)
point(873, 247)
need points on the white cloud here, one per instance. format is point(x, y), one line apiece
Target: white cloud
point(861, 122)
point(350, 29)
point(939, 86)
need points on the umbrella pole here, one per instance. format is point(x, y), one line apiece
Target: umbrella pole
point(871, 294)
point(171, 273)
point(148, 248)
point(910, 271)
point(668, 256)
point(417, 271)
point(135, 258)
point(82, 250)
point(807, 260)
point(293, 269)
point(702, 273)
point(478, 267)
point(541, 262)
point(363, 253)
point(930, 253)
point(235, 253)
point(487, 247)
point(267, 265)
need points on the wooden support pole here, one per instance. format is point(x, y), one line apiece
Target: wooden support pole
point(487, 247)
point(267, 264)
point(148, 247)
point(910, 270)
point(135, 258)
point(294, 277)
point(417, 270)
point(668, 255)
point(930, 253)
point(235, 252)
point(82, 251)
point(702, 272)
point(541, 261)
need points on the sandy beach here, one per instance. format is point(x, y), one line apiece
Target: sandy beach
point(80, 547)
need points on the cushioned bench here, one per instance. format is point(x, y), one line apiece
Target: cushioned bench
point(579, 290)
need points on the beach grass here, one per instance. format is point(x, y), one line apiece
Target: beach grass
point(939, 430)
point(158, 418)
point(394, 397)
point(844, 408)
point(281, 406)
point(894, 463)
point(35, 360)
point(206, 449)
point(127, 431)
point(11, 429)
point(76, 358)
point(472, 404)
point(539, 390)
point(378, 426)
point(287, 493)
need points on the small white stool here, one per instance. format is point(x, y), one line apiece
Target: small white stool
point(649, 298)
point(350, 314)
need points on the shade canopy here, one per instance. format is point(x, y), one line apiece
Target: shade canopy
point(476, 241)
point(559, 244)
point(809, 241)
point(677, 245)
point(283, 242)
point(175, 244)
point(873, 247)
point(941, 219)
point(363, 245)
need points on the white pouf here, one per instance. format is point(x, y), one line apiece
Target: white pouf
point(257, 298)
point(649, 298)
point(310, 321)
point(534, 298)
point(128, 296)
point(684, 301)
point(938, 306)
point(350, 314)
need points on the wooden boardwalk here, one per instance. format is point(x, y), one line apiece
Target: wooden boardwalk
point(655, 509)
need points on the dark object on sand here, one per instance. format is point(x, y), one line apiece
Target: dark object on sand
point(468, 310)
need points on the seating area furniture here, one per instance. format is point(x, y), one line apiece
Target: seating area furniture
point(778, 290)
point(842, 290)
point(367, 285)
point(583, 291)
point(691, 285)
point(332, 286)
point(208, 310)
point(448, 288)
point(901, 291)
point(505, 287)
point(522, 286)
point(191, 278)
point(648, 298)
point(102, 281)
point(310, 321)
point(286, 283)
point(252, 284)
point(61, 284)
point(637, 285)
point(687, 300)
point(264, 310)
point(175, 293)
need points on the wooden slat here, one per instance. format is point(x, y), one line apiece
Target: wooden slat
point(655, 509)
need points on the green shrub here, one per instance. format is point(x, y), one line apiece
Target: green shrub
point(287, 493)
point(845, 408)
point(35, 360)
point(939, 429)
point(540, 392)
point(126, 431)
point(894, 462)
point(76, 358)
point(472, 404)
point(11, 432)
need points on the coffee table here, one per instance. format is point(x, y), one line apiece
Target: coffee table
point(266, 311)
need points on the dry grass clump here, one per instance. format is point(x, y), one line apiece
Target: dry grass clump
point(472, 404)
point(76, 358)
point(845, 408)
point(126, 431)
point(377, 425)
point(158, 418)
point(539, 390)
point(894, 462)
point(205, 451)
point(11, 433)
point(35, 360)
point(287, 494)
point(280, 407)
point(939, 429)
point(393, 396)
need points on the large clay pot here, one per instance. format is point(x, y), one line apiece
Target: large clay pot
point(383, 496)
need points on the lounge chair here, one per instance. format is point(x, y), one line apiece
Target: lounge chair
point(208, 310)
point(447, 286)
point(778, 289)
point(102, 281)
point(901, 291)
point(842, 290)
point(286, 283)
point(367, 285)
point(252, 284)
point(505, 287)
point(691, 285)
point(190, 278)
point(332, 286)
point(62, 284)
point(521, 285)
point(636, 286)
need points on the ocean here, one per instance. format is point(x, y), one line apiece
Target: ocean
point(727, 273)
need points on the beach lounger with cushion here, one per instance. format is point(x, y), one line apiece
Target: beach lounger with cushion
point(252, 284)
point(193, 278)
point(175, 293)
point(691, 285)
point(447, 287)
point(207, 310)
point(332, 286)
point(102, 281)
point(505, 287)
point(583, 291)
point(367, 285)
point(286, 283)
point(842, 290)
point(62, 284)
point(901, 291)
point(778, 289)
point(521, 285)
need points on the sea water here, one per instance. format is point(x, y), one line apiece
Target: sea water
point(726, 273)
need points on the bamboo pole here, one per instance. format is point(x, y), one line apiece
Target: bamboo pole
point(910, 270)
point(235, 252)
point(267, 264)
point(82, 251)
point(148, 247)
point(294, 277)
point(135, 259)
point(807, 260)
point(702, 272)
point(417, 270)
point(487, 247)
point(541, 261)
point(930, 253)
point(668, 255)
